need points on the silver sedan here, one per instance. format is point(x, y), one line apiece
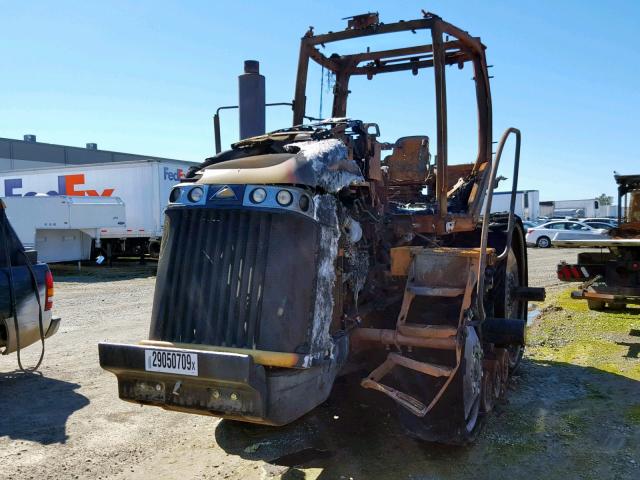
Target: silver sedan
point(543, 235)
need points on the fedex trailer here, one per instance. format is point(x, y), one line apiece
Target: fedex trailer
point(143, 186)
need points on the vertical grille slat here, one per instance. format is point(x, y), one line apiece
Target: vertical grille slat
point(229, 246)
point(217, 231)
point(235, 281)
point(248, 267)
point(193, 279)
point(257, 280)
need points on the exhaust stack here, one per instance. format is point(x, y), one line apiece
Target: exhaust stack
point(251, 101)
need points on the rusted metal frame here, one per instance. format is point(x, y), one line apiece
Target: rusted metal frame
point(441, 120)
point(514, 184)
point(419, 24)
point(341, 89)
point(300, 98)
point(385, 57)
point(485, 133)
point(427, 331)
point(406, 304)
point(466, 304)
point(412, 404)
point(309, 42)
point(393, 337)
point(422, 367)
point(400, 52)
point(484, 234)
point(328, 63)
point(434, 224)
point(409, 65)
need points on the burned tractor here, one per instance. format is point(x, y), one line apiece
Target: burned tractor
point(610, 278)
point(304, 250)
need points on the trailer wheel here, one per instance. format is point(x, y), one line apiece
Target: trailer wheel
point(543, 242)
point(595, 305)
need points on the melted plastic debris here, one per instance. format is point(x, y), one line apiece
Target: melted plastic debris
point(325, 210)
point(357, 268)
point(325, 207)
point(330, 165)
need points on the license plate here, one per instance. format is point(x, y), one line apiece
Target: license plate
point(167, 361)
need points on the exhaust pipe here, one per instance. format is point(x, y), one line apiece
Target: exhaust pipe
point(251, 101)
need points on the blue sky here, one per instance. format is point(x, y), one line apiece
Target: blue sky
point(146, 77)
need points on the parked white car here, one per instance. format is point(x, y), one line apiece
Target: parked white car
point(543, 235)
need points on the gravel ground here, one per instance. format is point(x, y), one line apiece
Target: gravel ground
point(542, 265)
point(67, 421)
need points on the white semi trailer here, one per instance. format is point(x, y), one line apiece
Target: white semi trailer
point(62, 228)
point(527, 203)
point(143, 186)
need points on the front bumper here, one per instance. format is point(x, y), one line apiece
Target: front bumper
point(53, 327)
point(227, 385)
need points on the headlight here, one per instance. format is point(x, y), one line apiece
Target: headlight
point(258, 195)
point(284, 198)
point(174, 196)
point(195, 194)
point(304, 203)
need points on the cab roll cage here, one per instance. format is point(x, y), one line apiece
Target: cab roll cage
point(441, 52)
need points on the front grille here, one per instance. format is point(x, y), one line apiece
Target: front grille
point(213, 275)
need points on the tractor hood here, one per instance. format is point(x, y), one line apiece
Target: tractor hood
point(323, 164)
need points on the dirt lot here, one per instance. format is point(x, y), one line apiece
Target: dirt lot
point(573, 411)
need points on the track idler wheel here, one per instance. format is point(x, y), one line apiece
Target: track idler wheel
point(495, 378)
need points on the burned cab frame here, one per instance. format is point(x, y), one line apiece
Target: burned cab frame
point(304, 249)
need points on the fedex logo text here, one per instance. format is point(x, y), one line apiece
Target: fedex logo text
point(174, 176)
point(67, 185)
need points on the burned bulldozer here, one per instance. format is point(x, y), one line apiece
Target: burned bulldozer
point(298, 252)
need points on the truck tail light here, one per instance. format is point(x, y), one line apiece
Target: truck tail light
point(48, 298)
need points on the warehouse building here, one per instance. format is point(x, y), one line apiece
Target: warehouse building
point(29, 153)
point(73, 203)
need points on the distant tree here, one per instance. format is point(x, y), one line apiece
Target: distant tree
point(605, 199)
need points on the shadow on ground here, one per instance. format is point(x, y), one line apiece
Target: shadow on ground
point(122, 269)
point(36, 408)
point(634, 348)
point(559, 421)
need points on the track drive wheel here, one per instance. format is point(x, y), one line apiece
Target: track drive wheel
point(455, 419)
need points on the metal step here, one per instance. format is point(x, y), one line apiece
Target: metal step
point(427, 331)
point(435, 291)
point(412, 404)
point(431, 369)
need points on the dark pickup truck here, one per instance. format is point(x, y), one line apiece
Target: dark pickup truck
point(26, 293)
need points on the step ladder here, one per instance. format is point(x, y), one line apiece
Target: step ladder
point(443, 273)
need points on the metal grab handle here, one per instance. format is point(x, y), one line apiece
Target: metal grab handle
point(487, 211)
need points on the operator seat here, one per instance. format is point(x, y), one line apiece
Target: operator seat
point(408, 168)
